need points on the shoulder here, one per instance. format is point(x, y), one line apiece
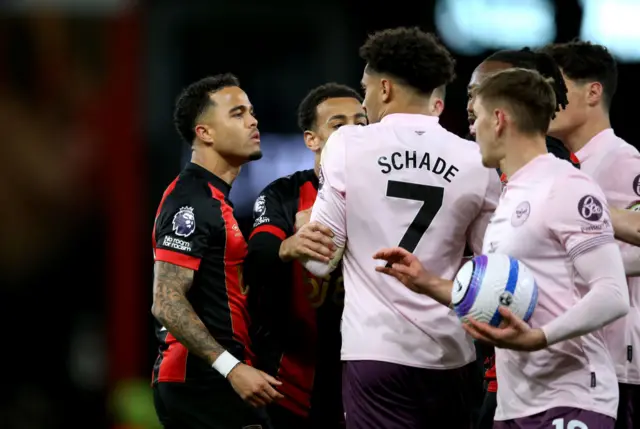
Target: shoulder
point(189, 203)
point(337, 141)
point(288, 186)
point(569, 181)
point(190, 191)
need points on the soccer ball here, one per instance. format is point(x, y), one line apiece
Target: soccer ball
point(487, 282)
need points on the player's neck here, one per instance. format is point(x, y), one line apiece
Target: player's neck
point(316, 164)
point(521, 151)
point(216, 164)
point(414, 107)
point(582, 135)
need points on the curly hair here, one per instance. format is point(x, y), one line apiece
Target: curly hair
point(415, 57)
point(585, 61)
point(308, 109)
point(195, 99)
point(542, 63)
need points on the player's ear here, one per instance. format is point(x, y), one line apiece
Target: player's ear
point(312, 141)
point(499, 121)
point(205, 134)
point(437, 106)
point(385, 90)
point(594, 93)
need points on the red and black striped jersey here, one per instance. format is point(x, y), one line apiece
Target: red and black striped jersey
point(195, 228)
point(296, 331)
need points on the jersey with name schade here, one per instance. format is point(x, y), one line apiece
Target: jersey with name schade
point(195, 228)
point(407, 182)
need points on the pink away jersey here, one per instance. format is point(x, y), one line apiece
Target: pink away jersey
point(550, 214)
point(404, 181)
point(615, 166)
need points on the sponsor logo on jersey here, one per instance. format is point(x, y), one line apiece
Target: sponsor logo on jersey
point(590, 208)
point(636, 185)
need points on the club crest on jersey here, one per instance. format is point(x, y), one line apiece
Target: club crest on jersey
point(184, 222)
point(634, 207)
point(590, 208)
point(521, 214)
point(636, 185)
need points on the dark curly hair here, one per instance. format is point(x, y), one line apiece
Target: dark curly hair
point(585, 61)
point(308, 109)
point(411, 55)
point(542, 63)
point(195, 99)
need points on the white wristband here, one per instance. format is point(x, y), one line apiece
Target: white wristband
point(225, 363)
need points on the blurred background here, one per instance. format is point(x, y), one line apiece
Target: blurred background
point(87, 147)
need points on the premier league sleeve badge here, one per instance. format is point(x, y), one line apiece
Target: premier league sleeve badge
point(184, 222)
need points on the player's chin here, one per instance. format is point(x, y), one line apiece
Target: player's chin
point(490, 163)
point(255, 155)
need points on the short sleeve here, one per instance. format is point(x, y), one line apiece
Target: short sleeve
point(621, 182)
point(269, 213)
point(578, 215)
point(184, 229)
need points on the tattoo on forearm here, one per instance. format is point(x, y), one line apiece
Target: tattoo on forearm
point(173, 310)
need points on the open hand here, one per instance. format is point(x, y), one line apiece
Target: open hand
point(513, 333)
point(404, 266)
point(254, 386)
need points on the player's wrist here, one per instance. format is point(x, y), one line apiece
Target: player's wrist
point(541, 338)
point(225, 363)
point(285, 253)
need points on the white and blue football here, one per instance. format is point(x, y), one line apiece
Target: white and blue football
point(487, 282)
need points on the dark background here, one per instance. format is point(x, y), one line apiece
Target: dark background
point(88, 146)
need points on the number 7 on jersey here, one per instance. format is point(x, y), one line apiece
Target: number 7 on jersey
point(431, 197)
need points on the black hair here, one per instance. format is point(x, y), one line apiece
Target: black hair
point(195, 99)
point(415, 57)
point(308, 109)
point(541, 62)
point(585, 61)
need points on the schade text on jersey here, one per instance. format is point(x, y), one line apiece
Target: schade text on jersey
point(413, 159)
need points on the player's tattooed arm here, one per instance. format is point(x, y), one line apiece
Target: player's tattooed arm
point(172, 309)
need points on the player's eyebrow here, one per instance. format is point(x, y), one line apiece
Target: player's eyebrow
point(241, 107)
point(337, 117)
point(361, 115)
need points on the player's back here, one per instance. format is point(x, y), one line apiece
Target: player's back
point(615, 165)
point(409, 182)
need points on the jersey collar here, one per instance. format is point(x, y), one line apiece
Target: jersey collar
point(409, 119)
point(202, 172)
point(596, 143)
